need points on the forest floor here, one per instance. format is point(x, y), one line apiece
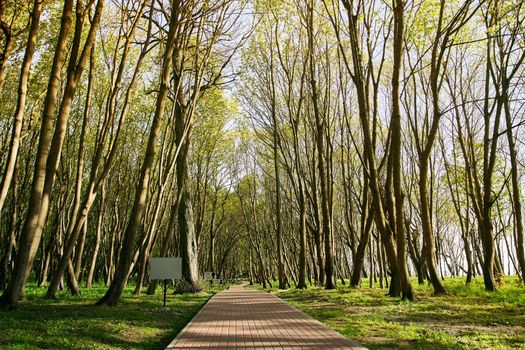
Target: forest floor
point(467, 318)
point(138, 322)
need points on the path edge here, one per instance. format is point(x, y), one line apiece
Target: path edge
point(172, 344)
point(356, 345)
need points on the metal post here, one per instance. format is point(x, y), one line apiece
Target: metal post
point(165, 292)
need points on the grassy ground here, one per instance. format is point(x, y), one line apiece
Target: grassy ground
point(468, 318)
point(75, 323)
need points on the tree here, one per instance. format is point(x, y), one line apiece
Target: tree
point(395, 152)
point(114, 292)
point(50, 144)
point(14, 144)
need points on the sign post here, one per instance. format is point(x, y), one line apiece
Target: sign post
point(165, 269)
point(165, 288)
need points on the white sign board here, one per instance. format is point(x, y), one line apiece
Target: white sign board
point(165, 268)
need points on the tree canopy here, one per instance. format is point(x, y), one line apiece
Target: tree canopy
point(295, 142)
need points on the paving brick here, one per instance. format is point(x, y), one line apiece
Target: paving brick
point(238, 318)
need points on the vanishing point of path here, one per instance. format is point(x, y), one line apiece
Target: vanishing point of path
point(238, 318)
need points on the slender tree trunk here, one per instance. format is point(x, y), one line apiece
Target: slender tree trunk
point(212, 252)
point(395, 152)
point(112, 296)
point(369, 154)
point(430, 251)
point(76, 225)
point(14, 144)
point(10, 240)
point(359, 258)
point(72, 282)
point(275, 136)
point(98, 238)
point(8, 43)
point(111, 259)
point(490, 142)
point(30, 235)
point(79, 251)
point(148, 243)
point(380, 263)
point(46, 256)
point(77, 61)
point(302, 238)
point(326, 220)
point(516, 188)
point(488, 254)
point(96, 179)
point(318, 236)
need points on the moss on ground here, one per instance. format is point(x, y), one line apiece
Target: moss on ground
point(467, 318)
point(138, 322)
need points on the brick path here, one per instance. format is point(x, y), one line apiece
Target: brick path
point(246, 319)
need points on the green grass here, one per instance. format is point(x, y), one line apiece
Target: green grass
point(468, 318)
point(76, 323)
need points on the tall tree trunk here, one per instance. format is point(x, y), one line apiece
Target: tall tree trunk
point(320, 125)
point(369, 153)
point(516, 188)
point(9, 39)
point(149, 240)
point(114, 292)
point(98, 238)
point(10, 239)
point(424, 158)
point(275, 140)
point(302, 238)
point(317, 233)
point(96, 179)
point(14, 144)
point(359, 258)
point(77, 61)
point(395, 152)
point(74, 73)
point(30, 236)
point(188, 242)
point(429, 252)
point(79, 251)
point(490, 142)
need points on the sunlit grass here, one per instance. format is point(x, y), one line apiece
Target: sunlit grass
point(467, 318)
point(138, 322)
